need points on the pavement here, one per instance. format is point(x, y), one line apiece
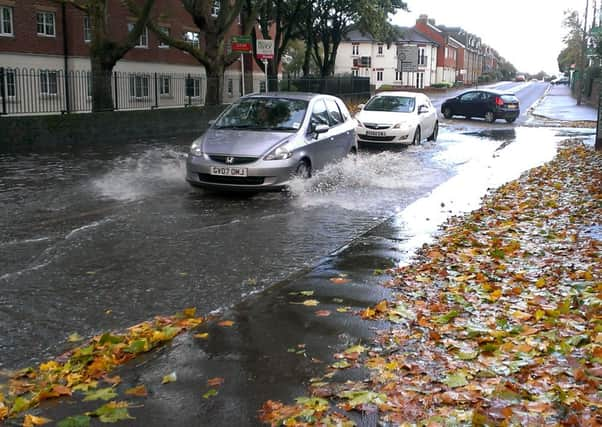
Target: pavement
point(276, 341)
point(558, 104)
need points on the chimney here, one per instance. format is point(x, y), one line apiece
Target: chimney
point(432, 21)
point(423, 18)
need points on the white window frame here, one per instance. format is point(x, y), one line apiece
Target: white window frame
point(379, 75)
point(10, 31)
point(49, 83)
point(193, 38)
point(195, 84)
point(165, 85)
point(355, 49)
point(142, 42)
point(165, 31)
point(398, 75)
point(47, 23)
point(87, 29)
point(139, 86)
point(421, 56)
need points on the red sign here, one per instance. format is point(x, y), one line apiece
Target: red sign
point(241, 44)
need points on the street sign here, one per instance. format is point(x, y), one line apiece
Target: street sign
point(265, 49)
point(407, 58)
point(242, 44)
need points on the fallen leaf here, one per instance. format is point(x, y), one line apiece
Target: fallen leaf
point(311, 302)
point(322, 313)
point(170, 378)
point(74, 337)
point(100, 394)
point(214, 382)
point(75, 421)
point(138, 391)
point(31, 421)
point(210, 393)
point(455, 380)
point(226, 323)
point(203, 335)
point(339, 280)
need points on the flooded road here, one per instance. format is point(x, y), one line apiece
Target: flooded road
point(104, 237)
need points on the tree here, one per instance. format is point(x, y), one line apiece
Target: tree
point(104, 50)
point(331, 20)
point(214, 19)
point(278, 19)
point(571, 54)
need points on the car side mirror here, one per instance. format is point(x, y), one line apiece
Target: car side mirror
point(423, 109)
point(321, 128)
point(211, 122)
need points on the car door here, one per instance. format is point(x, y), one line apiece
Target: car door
point(319, 145)
point(427, 116)
point(340, 133)
point(466, 105)
point(482, 104)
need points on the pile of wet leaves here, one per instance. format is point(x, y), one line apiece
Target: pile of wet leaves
point(86, 370)
point(499, 322)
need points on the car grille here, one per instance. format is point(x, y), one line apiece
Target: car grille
point(235, 160)
point(376, 126)
point(376, 138)
point(235, 180)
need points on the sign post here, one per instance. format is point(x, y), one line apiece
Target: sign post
point(242, 44)
point(265, 50)
point(407, 59)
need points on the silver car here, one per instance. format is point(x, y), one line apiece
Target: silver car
point(264, 140)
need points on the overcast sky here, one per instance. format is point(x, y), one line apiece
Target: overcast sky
point(528, 33)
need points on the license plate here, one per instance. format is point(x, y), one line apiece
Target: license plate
point(512, 106)
point(215, 170)
point(375, 133)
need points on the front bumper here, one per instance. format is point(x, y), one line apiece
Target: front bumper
point(384, 136)
point(262, 175)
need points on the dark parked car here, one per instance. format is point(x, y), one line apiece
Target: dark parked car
point(489, 104)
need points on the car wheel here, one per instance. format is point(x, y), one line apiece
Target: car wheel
point(303, 170)
point(447, 113)
point(433, 136)
point(489, 117)
point(511, 120)
point(417, 137)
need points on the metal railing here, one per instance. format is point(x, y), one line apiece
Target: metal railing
point(39, 91)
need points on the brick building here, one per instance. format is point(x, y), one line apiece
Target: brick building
point(51, 40)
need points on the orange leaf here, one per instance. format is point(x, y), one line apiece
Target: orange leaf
point(538, 406)
point(226, 323)
point(113, 380)
point(339, 280)
point(322, 313)
point(31, 421)
point(213, 382)
point(138, 391)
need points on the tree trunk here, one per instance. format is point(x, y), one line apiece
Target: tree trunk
point(215, 76)
point(272, 76)
point(102, 96)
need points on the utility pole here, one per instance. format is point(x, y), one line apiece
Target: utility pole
point(583, 57)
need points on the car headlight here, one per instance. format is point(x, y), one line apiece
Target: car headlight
point(279, 153)
point(402, 125)
point(196, 149)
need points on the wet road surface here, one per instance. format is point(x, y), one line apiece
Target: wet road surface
point(103, 237)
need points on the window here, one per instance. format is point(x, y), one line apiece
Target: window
point(380, 49)
point(164, 30)
point(143, 39)
point(139, 86)
point(165, 85)
point(446, 52)
point(87, 30)
point(354, 72)
point(421, 56)
point(46, 24)
point(215, 7)
point(88, 84)
point(6, 21)
point(336, 117)
point(10, 83)
point(355, 49)
point(319, 115)
point(193, 87)
point(48, 83)
point(192, 38)
point(420, 80)
point(230, 87)
point(397, 76)
point(262, 87)
point(379, 76)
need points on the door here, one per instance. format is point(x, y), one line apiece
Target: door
point(320, 146)
point(340, 133)
point(466, 104)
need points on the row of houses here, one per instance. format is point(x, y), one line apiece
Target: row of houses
point(445, 55)
point(45, 66)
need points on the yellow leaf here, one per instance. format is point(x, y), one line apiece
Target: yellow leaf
point(495, 295)
point(203, 336)
point(31, 421)
point(521, 315)
point(138, 391)
point(49, 366)
point(311, 302)
point(226, 323)
point(75, 337)
point(541, 282)
point(169, 378)
point(189, 312)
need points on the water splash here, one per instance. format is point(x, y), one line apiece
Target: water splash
point(132, 178)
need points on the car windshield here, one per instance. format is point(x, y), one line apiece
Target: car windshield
point(395, 104)
point(264, 113)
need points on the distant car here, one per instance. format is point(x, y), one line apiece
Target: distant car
point(560, 81)
point(519, 78)
point(397, 118)
point(262, 141)
point(488, 104)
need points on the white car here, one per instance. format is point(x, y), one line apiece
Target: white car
point(397, 118)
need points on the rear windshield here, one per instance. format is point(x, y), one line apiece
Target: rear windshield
point(264, 113)
point(509, 98)
point(396, 104)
